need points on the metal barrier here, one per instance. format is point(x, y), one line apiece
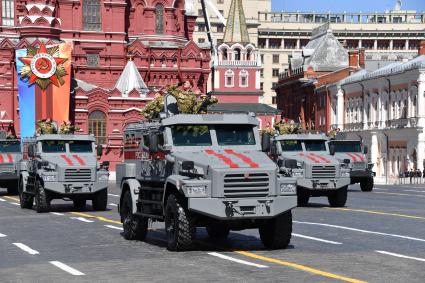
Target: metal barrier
point(411, 177)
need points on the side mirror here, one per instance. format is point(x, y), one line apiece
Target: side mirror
point(99, 149)
point(265, 142)
point(153, 143)
point(332, 149)
point(365, 149)
point(291, 163)
point(188, 165)
point(31, 151)
point(105, 165)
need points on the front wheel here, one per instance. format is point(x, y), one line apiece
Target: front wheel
point(276, 233)
point(179, 225)
point(366, 185)
point(26, 200)
point(135, 227)
point(338, 198)
point(42, 203)
point(100, 200)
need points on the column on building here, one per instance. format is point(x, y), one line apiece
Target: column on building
point(374, 148)
point(421, 100)
point(340, 108)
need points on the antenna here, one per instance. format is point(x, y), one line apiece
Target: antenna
point(210, 38)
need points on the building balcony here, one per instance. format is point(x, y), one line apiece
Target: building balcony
point(399, 123)
point(240, 63)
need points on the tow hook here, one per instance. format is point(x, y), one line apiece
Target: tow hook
point(230, 209)
point(268, 205)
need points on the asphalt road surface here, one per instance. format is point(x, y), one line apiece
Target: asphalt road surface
point(378, 237)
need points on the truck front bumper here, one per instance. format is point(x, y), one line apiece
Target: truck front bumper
point(70, 188)
point(323, 184)
point(230, 209)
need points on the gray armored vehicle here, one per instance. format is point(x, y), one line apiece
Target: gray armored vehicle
point(10, 156)
point(307, 157)
point(360, 169)
point(63, 166)
point(202, 171)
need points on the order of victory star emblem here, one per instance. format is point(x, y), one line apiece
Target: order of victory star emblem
point(43, 66)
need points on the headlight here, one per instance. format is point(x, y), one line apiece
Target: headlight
point(49, 178)
point(297, 173)
point(345, 173)
point(196, 191)
point(287, 188)
point(103, 177)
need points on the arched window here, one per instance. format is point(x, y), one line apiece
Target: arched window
point(225, 55)
point(230, 78)
point(159, 12)
point(237, 53)
point(249, 55)
point(91, 15)
point(243, 78)
point(97, 126)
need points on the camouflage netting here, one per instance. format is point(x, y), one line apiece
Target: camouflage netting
point(282, 128)
point(47, 126)
point(188, 102)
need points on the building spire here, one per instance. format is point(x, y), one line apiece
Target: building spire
point(236, 29)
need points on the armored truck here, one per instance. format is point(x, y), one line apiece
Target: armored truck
point(360, 170)
point(196, 170)
point(318, 172)
point(10, 156)
point(63, 167)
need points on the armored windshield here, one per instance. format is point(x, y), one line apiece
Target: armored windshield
point(291, 145)
point(235, 135)
point(315, 145)
point(10, 146)
point(80, 146)
point(53, 146)
point(347, 146)
point(191, 135)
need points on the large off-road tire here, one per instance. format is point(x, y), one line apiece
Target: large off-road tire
point(135, 227)
point(12, 188)
point(218, 231)
point(276, 233)
point(100, 200)
point(366, 185)
point(42, 202)
point(26, 200)
point(179, 225)
point(338, 198)
point(302, 198)
point(79, 204)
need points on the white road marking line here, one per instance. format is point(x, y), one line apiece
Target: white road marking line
point(67, 268)
point(114, 195)
point(2, 235)
point(57, 213)
point(416, 191)
point(402, 256)
point(114, 227)
point(381, 189)
point(400, 194)
point(27, 249)
point(237, 260)
point(14, 203)
point(316, 239)
point(2, 199)
point(113, 204)
point(82, 219)
point(361, 231)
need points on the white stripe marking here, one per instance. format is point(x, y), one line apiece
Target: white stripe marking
point(316, 239)
point(114, 195)
point(416, 191)
point(402, 256)
point(2, 199)
point(237, 260)
point(400, 194)
point(2, 235)
point(27, 249)
point(67, 268)
point(380, 189)
point(82, 219)
point(362, 231)
point(113, 204)
point(57, 213)
point(14, 203)
point(114, 227)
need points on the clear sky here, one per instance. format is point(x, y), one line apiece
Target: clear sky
point(345, 5)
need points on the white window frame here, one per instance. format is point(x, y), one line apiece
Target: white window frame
point(243, 73)
point(229, 73)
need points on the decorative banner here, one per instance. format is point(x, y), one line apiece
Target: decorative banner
point(44, 85)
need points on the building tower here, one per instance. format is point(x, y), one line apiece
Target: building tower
point(237, 65)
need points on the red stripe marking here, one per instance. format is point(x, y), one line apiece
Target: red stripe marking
point(10, 158)
point(81, 161)
point(225, 159)
point(310, 157)
point(69, 161)
point(353, 158)
point(359, 156)
point(321, 158)
point(243, 157)
point(1, 158)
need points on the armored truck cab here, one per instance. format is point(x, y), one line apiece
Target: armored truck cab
point(10, 156)
point(360, 170)
point(307, 157)
point(202, 171)
point(63, 166)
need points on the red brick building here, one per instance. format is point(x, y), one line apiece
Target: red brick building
point(302, 92)
point(106, 89)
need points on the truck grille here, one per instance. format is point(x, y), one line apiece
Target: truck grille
point(241, 185)
point(77, 175)
point(359, 166)
point(322, 172)
point(7, 168)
